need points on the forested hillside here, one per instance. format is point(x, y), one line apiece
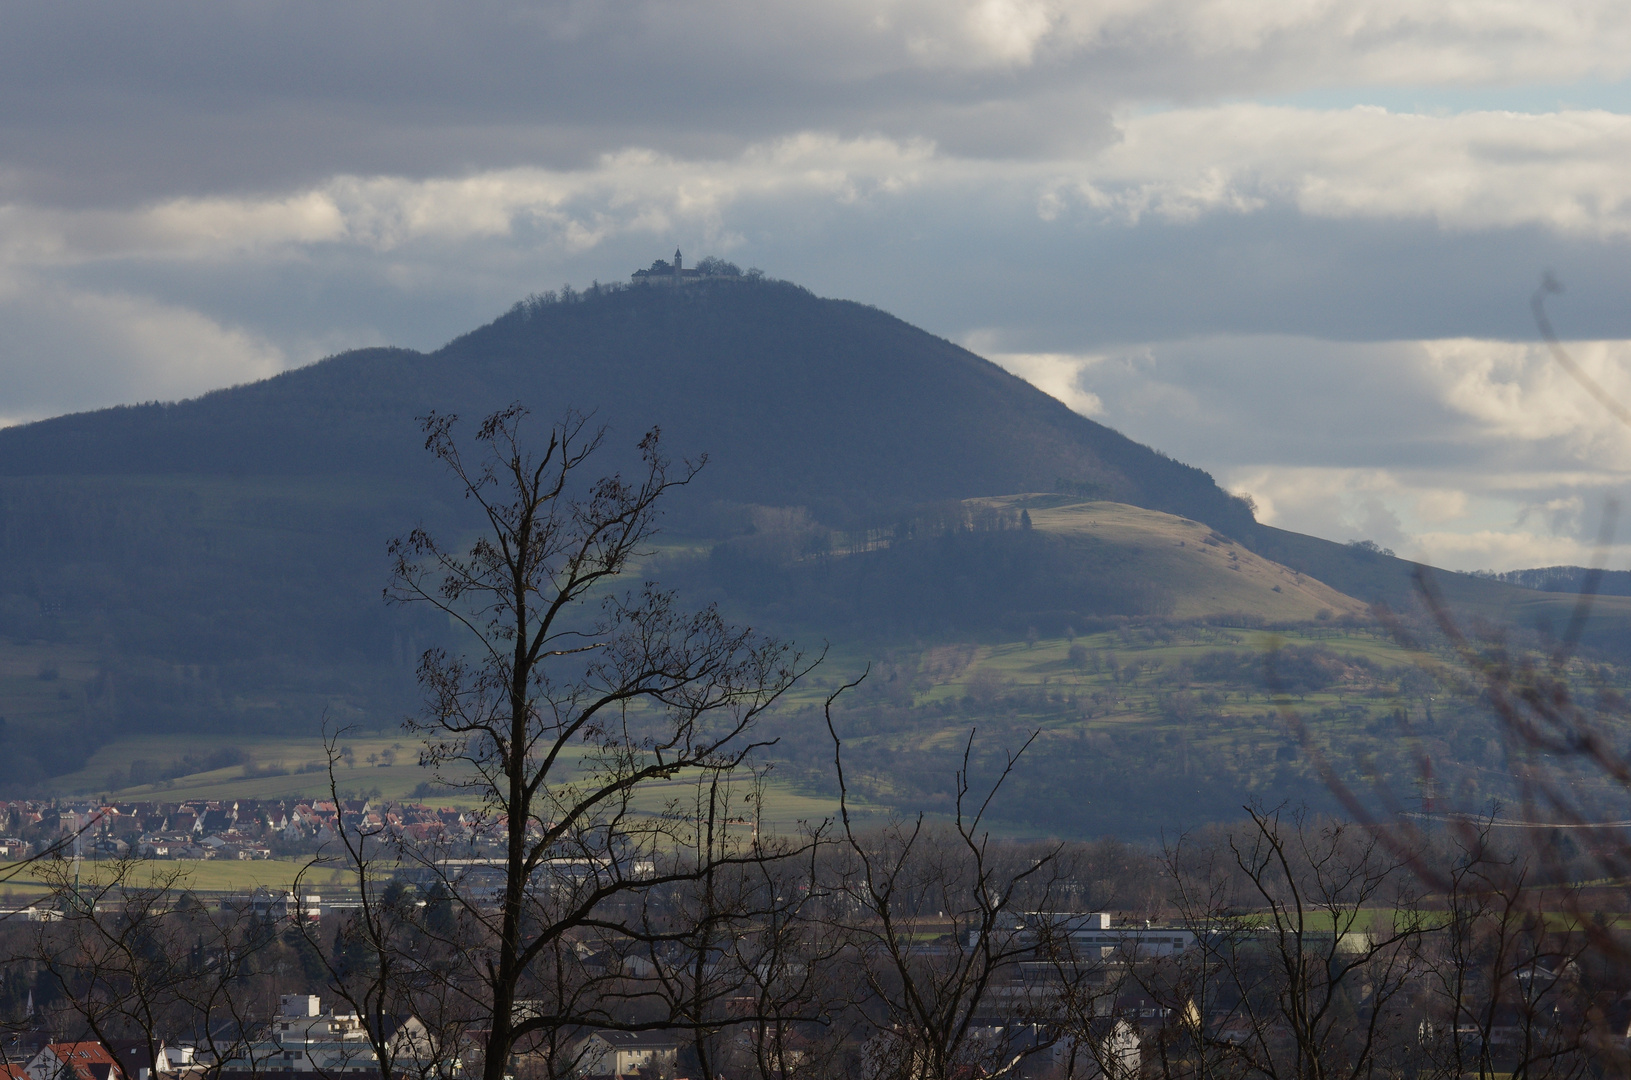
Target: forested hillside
point(797, 400)
point(216, 565)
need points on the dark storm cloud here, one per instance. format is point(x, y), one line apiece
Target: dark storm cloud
point(120, 103)
point(114, 103)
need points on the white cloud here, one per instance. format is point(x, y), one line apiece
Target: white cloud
point(1465, 453)
point(1055, 374)
point(630, 191)
point(1439, 506)
point(1230, 41)
point(1226, 45)
point(73, 350)
point(1488, 549)
point(1516, 390)
point(1407, 511)
point(1566, 172)
point(1569, 171)
point(218, 101)
point(1337, 503)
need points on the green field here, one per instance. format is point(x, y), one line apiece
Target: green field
point(25, 882)
point(1145, 730)
point(357, 776)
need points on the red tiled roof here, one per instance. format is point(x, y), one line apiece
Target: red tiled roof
point(85, 1058)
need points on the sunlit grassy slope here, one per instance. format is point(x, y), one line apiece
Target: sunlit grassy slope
point(1209, 573)
point(1213, 575)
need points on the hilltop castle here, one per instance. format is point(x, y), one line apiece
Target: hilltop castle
point(663, 273)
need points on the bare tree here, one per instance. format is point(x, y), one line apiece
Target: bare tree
point(386, 964)
point(138, 958)
point(577, 695)
point(1305, 954)
point(798, 999)
point(1501, 991)
point(938, 921)
point(738, 956)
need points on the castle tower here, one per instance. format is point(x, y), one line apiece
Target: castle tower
point(677, 265)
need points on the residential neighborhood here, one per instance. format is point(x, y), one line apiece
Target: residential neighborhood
point(306, 1039)
point(227, 829)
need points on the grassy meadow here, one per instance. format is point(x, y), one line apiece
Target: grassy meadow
point(21, 884)
point(1209, 573)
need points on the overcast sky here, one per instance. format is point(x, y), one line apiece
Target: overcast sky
point(1290, 242)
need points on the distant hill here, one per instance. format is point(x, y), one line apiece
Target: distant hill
point(797, 400)
point(216, 564)
point(1376, 577)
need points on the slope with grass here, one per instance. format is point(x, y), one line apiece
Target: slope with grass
point(973, 570)
point(1152, 728)
point(27, 883)
point(1210, 574)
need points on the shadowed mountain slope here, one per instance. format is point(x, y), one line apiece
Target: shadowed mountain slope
point(797, 401)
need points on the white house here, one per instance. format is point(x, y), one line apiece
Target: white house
point(304, 1038)
point(622, 1053)
point(1108, 1050)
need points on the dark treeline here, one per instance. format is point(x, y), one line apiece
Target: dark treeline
point(186, 605)
point(1568, 579)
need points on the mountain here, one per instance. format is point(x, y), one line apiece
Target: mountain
point(1601, 620)
point(797, 400)
point(216, 564)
